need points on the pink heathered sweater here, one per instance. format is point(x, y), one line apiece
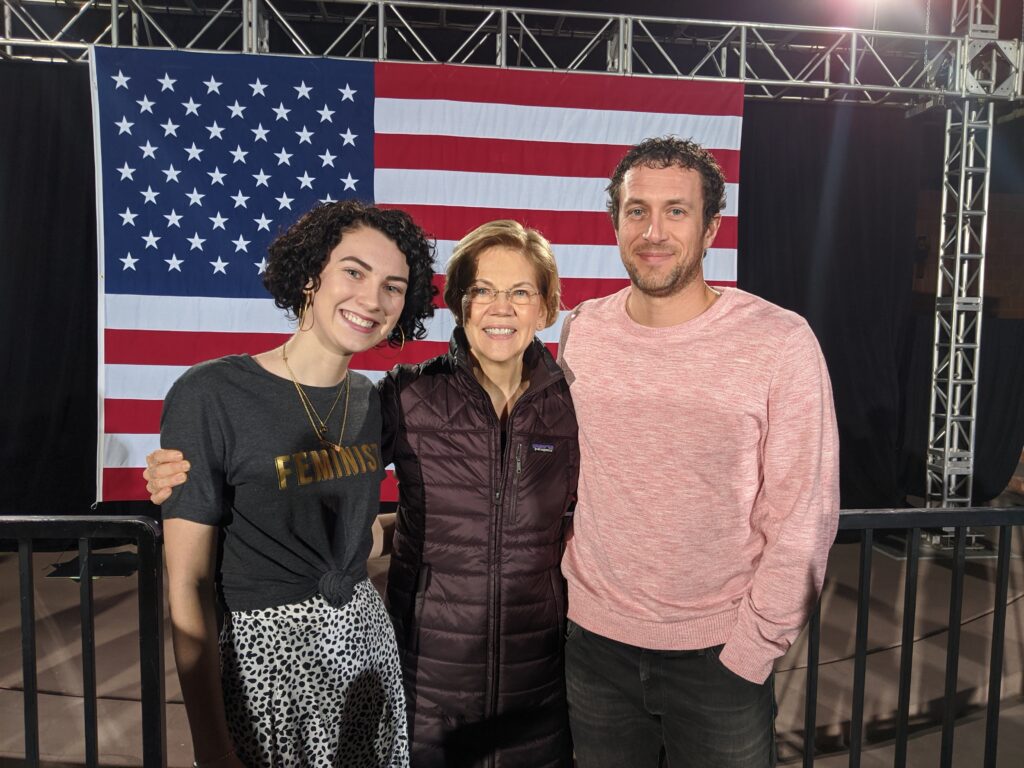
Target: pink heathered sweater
point(709, 479)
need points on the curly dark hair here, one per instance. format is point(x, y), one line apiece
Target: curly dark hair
point(665, 152)
point(297, 258)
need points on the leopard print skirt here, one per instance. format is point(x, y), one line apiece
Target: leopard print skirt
point(313, 685)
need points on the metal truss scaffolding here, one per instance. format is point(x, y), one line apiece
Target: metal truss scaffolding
point(967, 166)
point(968, 72)
point(775, 61)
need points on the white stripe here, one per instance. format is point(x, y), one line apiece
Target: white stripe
point(559, 124)
point(202, 313)
point(151, 382)
point(121, 450)
point(373, 376)
point(141, 382)
point(720, 265)
point(500, 190)
point(196, 313)
point(552, 334)
point(603, 261)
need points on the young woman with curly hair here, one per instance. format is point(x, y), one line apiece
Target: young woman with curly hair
point(285, 471)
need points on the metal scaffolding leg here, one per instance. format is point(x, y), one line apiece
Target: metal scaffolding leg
point(961, 275)
point(254, 28)
point(958, 303)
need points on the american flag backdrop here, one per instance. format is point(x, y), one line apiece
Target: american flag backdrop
point(203, 158)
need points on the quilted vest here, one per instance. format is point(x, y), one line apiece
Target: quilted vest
point(474, 586)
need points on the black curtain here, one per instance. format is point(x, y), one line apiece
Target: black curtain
point(828, 197)
point(827, 208)
point(48, 299)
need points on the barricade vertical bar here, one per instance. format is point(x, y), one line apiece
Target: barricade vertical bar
point(811, 696)
point(907, 647)
point(995, 669)
point(28, 650)
point(956, 599)
point(151, 648)
point(861, 647)
point(85, 605)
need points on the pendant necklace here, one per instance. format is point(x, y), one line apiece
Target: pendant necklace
point(320, 425)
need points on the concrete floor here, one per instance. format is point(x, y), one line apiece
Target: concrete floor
point(59, 676)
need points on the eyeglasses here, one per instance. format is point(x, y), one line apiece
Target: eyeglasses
point(478, 294)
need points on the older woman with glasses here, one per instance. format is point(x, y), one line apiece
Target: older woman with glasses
point(483, 441)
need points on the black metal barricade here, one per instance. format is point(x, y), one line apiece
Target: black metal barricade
point(914, 521)
point(145, 533)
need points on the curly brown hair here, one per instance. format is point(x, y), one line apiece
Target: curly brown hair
point(298, 256)
point(666, 152)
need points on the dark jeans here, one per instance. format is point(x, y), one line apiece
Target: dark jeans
point(635, 708)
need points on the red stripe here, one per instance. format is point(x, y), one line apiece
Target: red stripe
point(577, 227)
point(130, 347)
point(385, 358)
point(159, 348)
point(131, 417)
point(439, 284)
point(534, 158)
point(451, 223)
point(126, 484)
point(557, 89)
point(389, 487)
point(574, 292)
point(414, 352)
point(577, 291)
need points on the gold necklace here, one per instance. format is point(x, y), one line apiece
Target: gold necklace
point(320, 425)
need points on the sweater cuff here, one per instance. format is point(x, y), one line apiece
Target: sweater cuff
point(747, 660)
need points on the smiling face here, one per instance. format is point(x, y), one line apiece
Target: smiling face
point(500, 332)
point(361, 294)
point(661, 231)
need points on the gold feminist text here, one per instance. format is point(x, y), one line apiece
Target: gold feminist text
point(308, 467)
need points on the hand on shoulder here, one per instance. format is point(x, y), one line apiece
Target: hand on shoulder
point(165, 469)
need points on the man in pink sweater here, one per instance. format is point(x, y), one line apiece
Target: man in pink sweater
point(708, 496)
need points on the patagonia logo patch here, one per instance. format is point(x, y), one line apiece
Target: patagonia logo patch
point(543, 447)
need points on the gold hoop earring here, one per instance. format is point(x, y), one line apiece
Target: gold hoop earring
point(387, 336)
point(302, 314)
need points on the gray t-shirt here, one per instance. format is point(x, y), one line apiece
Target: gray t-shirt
point(294, 515)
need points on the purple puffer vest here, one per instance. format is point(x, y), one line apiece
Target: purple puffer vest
point(474, 588)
